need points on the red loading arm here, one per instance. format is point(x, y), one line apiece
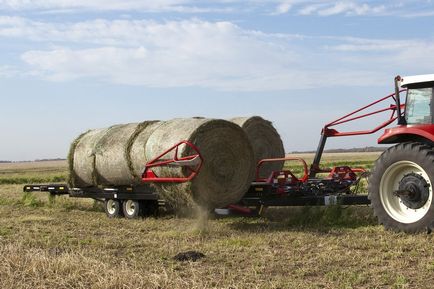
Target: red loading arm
point(262, 162)
point(193, 163)
point(328, 131)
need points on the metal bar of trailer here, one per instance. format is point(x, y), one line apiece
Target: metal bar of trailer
point(144, 194)
point(123, 193)
point(307, 201)
point(54, 189)
point(114, 195)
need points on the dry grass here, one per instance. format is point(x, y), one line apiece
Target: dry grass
point(330, 157)
point(33, 172)
point(71, 244)
point(35, 166)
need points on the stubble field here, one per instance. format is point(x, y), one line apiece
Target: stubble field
point(70, 243)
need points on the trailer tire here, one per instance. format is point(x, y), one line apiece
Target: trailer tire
point(113, 208)
point(132, 209)
point(401, 188)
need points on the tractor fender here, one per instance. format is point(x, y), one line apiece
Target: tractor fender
point(404, 133)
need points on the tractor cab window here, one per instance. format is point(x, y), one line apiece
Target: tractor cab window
point(418, 106)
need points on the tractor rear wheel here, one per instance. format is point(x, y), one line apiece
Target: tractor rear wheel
point(400, 188)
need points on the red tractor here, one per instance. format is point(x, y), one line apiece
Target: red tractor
point(400, 185)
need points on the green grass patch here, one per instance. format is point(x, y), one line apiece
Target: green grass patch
point(330, 217)
point(5, 231)
point(30, 200)
point(21, 180)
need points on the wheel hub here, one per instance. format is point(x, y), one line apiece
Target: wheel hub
point(413, 191)
point(111, 206)
point(130, 207)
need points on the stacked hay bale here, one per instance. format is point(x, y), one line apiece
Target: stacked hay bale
point(117, 155)
point(137, 152)
point(116, 161)
point(228, 161)
point(265, 140)
point(103, 157)
point(81, 158)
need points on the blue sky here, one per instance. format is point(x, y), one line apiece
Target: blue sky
point(66, 66)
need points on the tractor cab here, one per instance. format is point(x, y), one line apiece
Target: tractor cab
point(415, 122)
point(418, 108)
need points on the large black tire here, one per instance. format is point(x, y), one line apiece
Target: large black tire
point(113, 208)
point(400, 188)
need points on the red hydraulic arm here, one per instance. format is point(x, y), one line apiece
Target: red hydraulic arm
point(170, 157)
point(329, 131)
point(286, 172)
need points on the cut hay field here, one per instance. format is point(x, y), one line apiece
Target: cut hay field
point(69, 243)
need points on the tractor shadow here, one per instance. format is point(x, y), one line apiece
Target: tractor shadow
point(317, 219)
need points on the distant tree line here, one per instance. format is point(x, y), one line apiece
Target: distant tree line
point(352, 150)
point(48, 160)
point(37, 160)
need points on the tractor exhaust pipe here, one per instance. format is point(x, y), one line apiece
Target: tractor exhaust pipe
point(401, 120)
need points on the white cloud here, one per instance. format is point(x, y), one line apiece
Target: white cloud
point(408, 56)
point(183, 53)
point(352, 44)
point(310, 9)
point(171, 54)
point(283, 7)
point(330, 8)
point(324, 8)
point(7, 71)
point(93, 4)
point(351, 8)
point(403, 8)
point(200, 53)
point(164, 69)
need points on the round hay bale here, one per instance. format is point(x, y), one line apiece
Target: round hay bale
point(138, 150)
point(113, 161)
point(265, 141)
point(227, 169)
point(82, 158)
point(72, 177)
point(106, 157)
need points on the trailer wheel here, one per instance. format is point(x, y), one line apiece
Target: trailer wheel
point(113, 208)
point(132, 209)
point(400, 188)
